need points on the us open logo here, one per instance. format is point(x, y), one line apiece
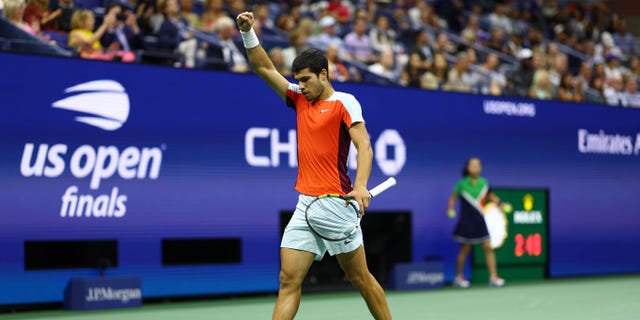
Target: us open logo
point(105, 102)
point(102, 104)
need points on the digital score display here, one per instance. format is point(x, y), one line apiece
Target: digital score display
point(519, 237)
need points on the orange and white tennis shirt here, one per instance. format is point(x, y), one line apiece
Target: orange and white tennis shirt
point(323, 141)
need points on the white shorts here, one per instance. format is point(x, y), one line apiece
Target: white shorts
point(298, 235)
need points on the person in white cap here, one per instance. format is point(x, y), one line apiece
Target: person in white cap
point(328, 37)
point(519, 80)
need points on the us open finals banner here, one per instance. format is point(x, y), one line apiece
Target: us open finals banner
point(138, 156)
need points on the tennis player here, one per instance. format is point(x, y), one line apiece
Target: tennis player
point(327, 122)
point(471, 229)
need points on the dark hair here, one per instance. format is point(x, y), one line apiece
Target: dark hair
point(310, 58)
point(562, 78)
point(465, 170)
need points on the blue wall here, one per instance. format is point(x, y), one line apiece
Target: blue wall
point(198, 122)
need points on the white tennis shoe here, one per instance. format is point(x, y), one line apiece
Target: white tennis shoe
point(460, 282)
point(496, 282)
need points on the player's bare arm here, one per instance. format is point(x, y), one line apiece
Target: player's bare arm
point(260, 61)
point(360, 138)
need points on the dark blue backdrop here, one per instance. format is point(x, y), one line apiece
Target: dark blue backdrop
point(207, 188)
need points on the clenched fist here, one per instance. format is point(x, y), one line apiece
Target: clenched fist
point(245, 21)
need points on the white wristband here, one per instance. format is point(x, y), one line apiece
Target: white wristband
point(250, 39)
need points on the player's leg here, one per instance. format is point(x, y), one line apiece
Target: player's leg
point(294, 267)
point(354, 264)
point(490, 258)
point(460, 281)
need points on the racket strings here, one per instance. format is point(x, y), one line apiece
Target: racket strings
point(322, 206)
point(332, 219)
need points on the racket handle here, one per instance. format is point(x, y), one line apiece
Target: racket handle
point(382, 187)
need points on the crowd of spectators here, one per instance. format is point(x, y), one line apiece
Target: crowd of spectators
point(579, 51)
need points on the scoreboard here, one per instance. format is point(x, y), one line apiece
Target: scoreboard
point(520, 238)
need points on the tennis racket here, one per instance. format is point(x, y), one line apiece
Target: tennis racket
point(334, 217)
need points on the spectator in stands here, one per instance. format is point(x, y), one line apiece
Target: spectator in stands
point(423, 49)
point(499, 19)
point(460, 78)
point(559, 66)
point(146, 10)
point(519, 80)
point(66, 8)
point(521, 20)
point(578, 23)
point(214, 10)
point(337, 70)
point(497, 41)
point(297, 40)
point(412, 71)
point(361, 13)
point(584, 75)
point(290, 20)
point(419, 14)
point(275, 54)
point(472, 30)
point(236, 7)
point(634, 66)
point(625, 40)
point(386, 66)
point(307, 26)
point(401, 21)
point(468, 37)
point(176, 34)
point(382, 37)
point(226, 31)
point(13, 11)
point(595, 92)
point(471, 53)
point(429, 81)
point(632, 96)
point(37, 12)
point(541, 87)
point(612, 67)
point(262, 15)
point(328, 36)
point(588, 47)
point(186, 11)
point(86, 41)
point(156, 15)
point(339, 10)
point(124, 34)
point(549, 11)
point(551, 54)
point(614, 92)
point(436, 24)
point(358, 44)
point(534, 39)
point(443, 45)
point(568, 90)
point(438, 75)
point(599, 70)
point(496, 79)
point(606, 46)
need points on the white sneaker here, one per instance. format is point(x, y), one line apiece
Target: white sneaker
point(496, 282)
point(461, 283)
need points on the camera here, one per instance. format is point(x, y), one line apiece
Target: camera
point(121, 17)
